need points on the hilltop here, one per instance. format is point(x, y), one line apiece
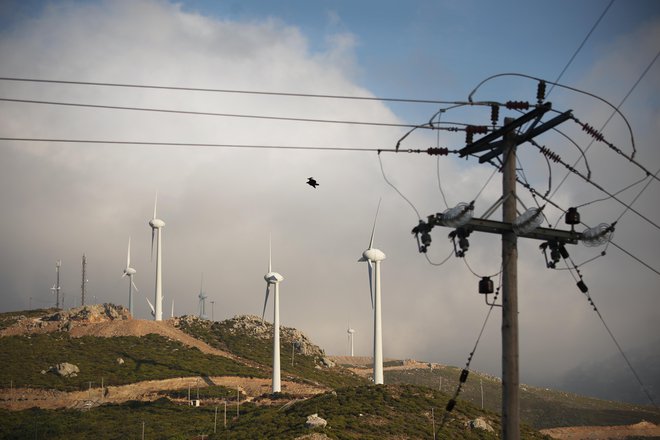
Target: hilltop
point(128, 368)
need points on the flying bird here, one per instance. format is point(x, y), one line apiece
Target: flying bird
point(311, 182)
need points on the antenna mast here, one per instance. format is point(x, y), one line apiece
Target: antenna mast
point(83, 286)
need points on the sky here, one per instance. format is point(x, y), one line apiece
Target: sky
point(220, 205)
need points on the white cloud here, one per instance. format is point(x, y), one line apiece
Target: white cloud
point(60, 200)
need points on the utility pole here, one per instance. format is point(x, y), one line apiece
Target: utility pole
point(510, 355)
point(507, 149)
point(83, 286)
point(212, 313)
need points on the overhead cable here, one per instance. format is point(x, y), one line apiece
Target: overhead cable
point(236, 91)
point(198, 113)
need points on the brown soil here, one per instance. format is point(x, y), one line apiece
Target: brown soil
point(139, 327)
point(641, 429)
point(22, 398)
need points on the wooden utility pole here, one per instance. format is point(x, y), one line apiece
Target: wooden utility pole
point(491, 148)
point(510, 355)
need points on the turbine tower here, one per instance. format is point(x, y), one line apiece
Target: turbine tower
point(202, 300)
point(156, 229)
point(373, 257)
point(130, 272)
point(350, 332)
point(56, 287)
point(275, 279)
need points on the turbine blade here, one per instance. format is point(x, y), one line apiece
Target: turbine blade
point(128, 256)
point(270, 266)
point(373, 230)
point(124, 274)
point(134, 286)
point(153, 232)
point(371, 288)
point(265, 302)
point(153, 310)
point(155, 205)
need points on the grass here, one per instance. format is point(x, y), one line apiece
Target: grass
point(145, 358)
point(364, 412)
point(219, 335)
point(539, 407)
point(8, 319)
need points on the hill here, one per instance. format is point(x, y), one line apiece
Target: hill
point(133, 371)
point(540, 407)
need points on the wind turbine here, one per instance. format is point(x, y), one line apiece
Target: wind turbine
point(56, 287)
point(202, 300)
point(275, 279)
point(350, 332)
point(130, 272)
point(373, 257)
point(156, 227)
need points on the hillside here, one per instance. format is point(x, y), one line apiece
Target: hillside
point(540, 407)
point(134, 371)
point(363, 412)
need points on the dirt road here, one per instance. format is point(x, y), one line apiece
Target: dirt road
point(22, 398)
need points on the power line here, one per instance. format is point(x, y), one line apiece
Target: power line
point(195, 144)
point(235, 91)
point(648, 67)
point(197, 113)
point(547, 199)
point(397, 189)
point(570, 61)
point(585, 291)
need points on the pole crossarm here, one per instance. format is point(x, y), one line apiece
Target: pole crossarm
point(491, 227)
point(545, 234)
point(495, 147)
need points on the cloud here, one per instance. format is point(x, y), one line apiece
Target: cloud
point(220, 205)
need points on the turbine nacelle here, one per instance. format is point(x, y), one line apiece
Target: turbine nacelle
point(156, 223)
point(129, 271)
point(372, 255)
point(273, 278)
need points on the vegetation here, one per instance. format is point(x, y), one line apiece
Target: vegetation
point(364, 412)
point(8, 319)
point(145, 358)
point(540, 408)
point(223, 336)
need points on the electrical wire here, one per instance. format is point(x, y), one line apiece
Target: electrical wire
point(452, 401)
point(419, 217)
point(612, 196)
point(437, 163)
point(570, 61)
point(432, 263)
point(485, 185)
point(235, 91)
point(637, 197)
point(198, 113)
point(194, 144)
point(616, 110)
point(639, 260)
point(550, 202)
point(476, 274)
point(437, 171)
point(609, 331)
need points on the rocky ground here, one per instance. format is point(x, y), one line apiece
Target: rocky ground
point(642, 429)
